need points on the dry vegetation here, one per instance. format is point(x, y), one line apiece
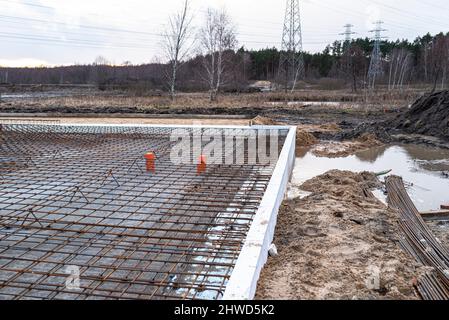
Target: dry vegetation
point(158, 99)
point(280, 107)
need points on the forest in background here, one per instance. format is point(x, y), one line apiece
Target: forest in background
point(339, 65)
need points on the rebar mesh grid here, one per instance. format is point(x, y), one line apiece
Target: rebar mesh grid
point(80, 196)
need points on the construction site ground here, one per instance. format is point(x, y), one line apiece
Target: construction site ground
point(333, 242)
point(340, 239)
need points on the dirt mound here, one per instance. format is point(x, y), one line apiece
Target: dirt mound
point(429, 115)
point(325, 131)
point(332, 127)
point(304, 138)
point(356, 183)
point(338, 243)
point(368, 139)
point(381, 130)
point(264, 121)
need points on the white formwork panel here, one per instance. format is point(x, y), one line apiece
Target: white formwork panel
point(254, 254)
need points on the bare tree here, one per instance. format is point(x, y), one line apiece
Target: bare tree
point(176, 44)
point(216, 37)
point(101, 68)
point(354, 65)
point(437, 59)
point(400, 63)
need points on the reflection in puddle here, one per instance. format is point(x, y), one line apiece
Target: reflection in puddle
point(421, 168)
point(40, 95)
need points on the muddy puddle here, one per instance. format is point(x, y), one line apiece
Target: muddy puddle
point(39, 95)
point(422, 168)
point(316, 103)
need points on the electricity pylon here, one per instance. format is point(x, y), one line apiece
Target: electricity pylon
point(291, 63)
point(375, 67)
point(346, 45)
point(348, 32)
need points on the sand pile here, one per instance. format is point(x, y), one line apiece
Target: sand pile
point(265, 121)
point(304, 138)
point(338, 243)
point(330, 127)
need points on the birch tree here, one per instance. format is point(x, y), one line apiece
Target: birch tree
point(400, 64)
point(176, 43)
point(215, 38)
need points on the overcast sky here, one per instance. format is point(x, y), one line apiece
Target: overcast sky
point(62, 32)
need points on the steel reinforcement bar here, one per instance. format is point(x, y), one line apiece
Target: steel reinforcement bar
point(419, 241)
point(79, 198)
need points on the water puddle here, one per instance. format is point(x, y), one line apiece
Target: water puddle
point(37, 95)
point(421, 167)
point(316, 103)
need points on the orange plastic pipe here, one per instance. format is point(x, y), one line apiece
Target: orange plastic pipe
point(150, 158)
point(201, 167)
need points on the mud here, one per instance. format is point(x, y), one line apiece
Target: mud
point(334, 242)
point(250, 105)
point(425, 120)
point(334, 149)
point(423, 168)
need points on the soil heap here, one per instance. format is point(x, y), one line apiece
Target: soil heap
point(332, 243)
point(429, 115)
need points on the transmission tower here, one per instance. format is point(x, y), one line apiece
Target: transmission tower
point(375, 67)
point(348, 37)
point(291, 64)
point(348, 32)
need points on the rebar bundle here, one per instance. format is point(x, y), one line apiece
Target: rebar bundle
point(419, 241)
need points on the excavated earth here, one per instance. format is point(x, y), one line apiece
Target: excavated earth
point(425, 122)
point(340, 242)
point(429, 116)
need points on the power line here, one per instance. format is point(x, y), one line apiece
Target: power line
point(264, 22)
point(125, 31)
point(360, 14)
point(101, 33)
point(262, 26)
point(403, 12)
point(417, 19)
point(433, 5)
point(136, 38)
